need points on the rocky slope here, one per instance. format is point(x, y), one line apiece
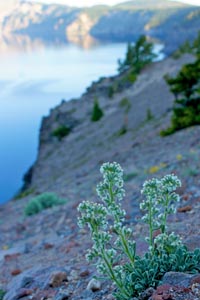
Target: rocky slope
point(121, 23)
point(42, 257)
point(74, 160)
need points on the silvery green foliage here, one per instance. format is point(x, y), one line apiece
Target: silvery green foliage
point(41, 202)
point(159, 203)
point(96, 216)
point(168, 243)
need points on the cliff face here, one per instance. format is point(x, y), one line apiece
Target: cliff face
point(122, 25)
point(39, 20)
point(78, 32)
point(169, 22)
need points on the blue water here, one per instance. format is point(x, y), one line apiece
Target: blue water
point(33, 81)
point(30, 84)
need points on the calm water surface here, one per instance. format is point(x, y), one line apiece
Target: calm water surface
point(31, 83)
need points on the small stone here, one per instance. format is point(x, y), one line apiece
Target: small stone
point(185, 208)
point(57, 278)
point(48, 246)
point(15, 272)
point(185, 197)
point(84, 273)
point(94, 285)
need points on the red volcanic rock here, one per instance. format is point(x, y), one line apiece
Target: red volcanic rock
point(185, 208)
point(15, 272)
point(48, 246)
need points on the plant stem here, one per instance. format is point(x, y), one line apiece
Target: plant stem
point(120, 233)
point(166, 204)
point(150, 226)
point(112, 274)
point(126, 248)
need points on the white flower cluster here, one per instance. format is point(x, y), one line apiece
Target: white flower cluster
point(167, 184)
point(159, 203)
point(170, 183)
point(93, 214)
point(168, 242)
point(112, 185)
point(160, 195)
point(112, 172)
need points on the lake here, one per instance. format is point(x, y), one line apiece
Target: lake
point(33, 80)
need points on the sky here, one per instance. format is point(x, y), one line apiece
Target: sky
point(8, 3)
point(94, 2)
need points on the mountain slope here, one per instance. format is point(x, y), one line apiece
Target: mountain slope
point(73, 160)
point(157, 23)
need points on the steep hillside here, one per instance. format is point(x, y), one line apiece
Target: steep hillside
point(73, 160)
point(121, 23)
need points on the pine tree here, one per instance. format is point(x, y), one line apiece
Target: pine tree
point(97, 112)
point(137, 56)
point(186, 89)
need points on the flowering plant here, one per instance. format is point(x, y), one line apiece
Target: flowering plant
point(104, 219)
point(114, 250)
